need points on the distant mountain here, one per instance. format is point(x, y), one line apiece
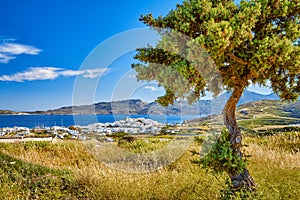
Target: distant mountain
point(8, 112)
point(137, 106)
point(259, 113)
point(269, 108)
point(249, 96)
point(132, 106)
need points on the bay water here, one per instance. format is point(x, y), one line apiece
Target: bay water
point(32, 121)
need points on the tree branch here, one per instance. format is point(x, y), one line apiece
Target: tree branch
point(238, 60)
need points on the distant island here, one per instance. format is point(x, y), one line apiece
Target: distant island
point(137, 106)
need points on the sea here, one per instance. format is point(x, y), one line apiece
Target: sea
point(32, 121)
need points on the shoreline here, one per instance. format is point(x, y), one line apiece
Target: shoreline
point(66, 120)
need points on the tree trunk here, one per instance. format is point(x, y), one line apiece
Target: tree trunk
point(244, 179)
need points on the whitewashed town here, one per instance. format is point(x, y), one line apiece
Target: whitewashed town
point(128, 125)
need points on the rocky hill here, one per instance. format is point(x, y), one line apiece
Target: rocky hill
point(258, 115)
point(137, 106)
point(8, 112)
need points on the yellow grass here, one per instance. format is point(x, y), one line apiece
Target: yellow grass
point(275, 170)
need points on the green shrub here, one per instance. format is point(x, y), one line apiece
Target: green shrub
point(243, 194)
point(219, 157)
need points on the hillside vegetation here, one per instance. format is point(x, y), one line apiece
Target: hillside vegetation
point(268, 114)
point(264, 114)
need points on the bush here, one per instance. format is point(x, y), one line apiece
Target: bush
point(243, 194)
point(219, 157)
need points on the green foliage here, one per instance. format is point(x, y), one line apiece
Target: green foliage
point(210, 45)
point(253, 41)
point(229, 193)
point(220, 157)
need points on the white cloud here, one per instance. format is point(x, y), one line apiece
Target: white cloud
point(5, 58)
point(17, 49)
point(9, 51)
point(69, 73)
point(93, 73)
point(152, 88)
point(50, 73)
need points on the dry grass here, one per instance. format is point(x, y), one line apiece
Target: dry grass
point(275, 169)
point(271, 158)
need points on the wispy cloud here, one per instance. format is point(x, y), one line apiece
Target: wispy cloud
point(50, 73)
point(93, 73)
point(152, 88)
point(9, 50)
point(6, 58)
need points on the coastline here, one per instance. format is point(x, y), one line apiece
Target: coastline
point(66, 120)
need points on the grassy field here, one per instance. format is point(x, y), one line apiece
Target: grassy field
point(66, 170)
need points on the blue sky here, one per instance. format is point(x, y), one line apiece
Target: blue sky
point(46, 48)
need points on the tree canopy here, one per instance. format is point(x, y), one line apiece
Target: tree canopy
point(255, 41)
point(210, 45)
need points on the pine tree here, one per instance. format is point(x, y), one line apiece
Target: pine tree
point(210, 45)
